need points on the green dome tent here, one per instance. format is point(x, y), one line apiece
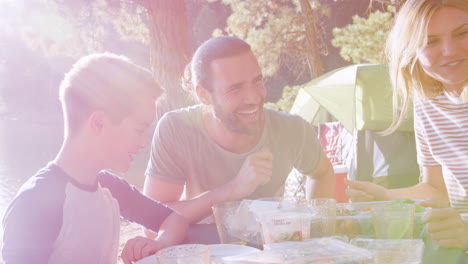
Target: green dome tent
point(360, 98)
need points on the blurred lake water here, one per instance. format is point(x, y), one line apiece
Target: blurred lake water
point(28, 145)
point(25, 147)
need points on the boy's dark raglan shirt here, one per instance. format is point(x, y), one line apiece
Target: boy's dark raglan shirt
point(54, 219)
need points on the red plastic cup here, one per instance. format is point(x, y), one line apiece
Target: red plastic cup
point(341, 172)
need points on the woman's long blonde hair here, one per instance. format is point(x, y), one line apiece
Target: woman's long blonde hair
point(408, 35)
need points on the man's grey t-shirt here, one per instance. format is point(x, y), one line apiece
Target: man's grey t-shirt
point(182, 152)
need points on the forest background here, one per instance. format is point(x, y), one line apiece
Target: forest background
point(295, 40)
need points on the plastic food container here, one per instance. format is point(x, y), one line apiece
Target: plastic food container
point(312, 251)
point(355, 219)
point(236, 224)
point(279, 226)
point(393, 251)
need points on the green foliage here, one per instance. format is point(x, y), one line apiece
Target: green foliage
point(364, 40)
point(268, 26)
point(274, 28)
point(286, 101)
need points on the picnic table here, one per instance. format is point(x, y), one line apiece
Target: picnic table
point(202, 234)
point(208, 234)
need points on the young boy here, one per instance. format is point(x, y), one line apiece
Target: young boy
point(69, 212)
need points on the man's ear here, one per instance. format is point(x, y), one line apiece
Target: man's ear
point(96, 122)
point(203, 95)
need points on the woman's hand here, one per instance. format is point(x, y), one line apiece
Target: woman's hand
point(445, 225)
point(362, 191)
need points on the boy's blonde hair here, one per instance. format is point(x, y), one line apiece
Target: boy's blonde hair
point(407, 37)
point(104, 82)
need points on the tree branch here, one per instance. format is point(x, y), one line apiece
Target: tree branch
point(298, 50)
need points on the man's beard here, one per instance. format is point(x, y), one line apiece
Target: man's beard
point(233, 123)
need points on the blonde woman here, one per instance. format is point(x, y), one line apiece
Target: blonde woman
point(428, 56)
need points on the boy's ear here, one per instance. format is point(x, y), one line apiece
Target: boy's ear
point(203, 94)
point(96, 121)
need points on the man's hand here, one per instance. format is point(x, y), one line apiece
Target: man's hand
point(445, 225)
point(256, 170)
point(140, 247)
point(361, 191)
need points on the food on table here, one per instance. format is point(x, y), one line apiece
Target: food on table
point(355, 220)
point(288, 236)
point(280, 226)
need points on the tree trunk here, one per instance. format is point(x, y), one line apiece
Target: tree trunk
point(312, 35)
point(170, 50)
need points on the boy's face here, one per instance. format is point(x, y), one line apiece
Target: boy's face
point(125, 139)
